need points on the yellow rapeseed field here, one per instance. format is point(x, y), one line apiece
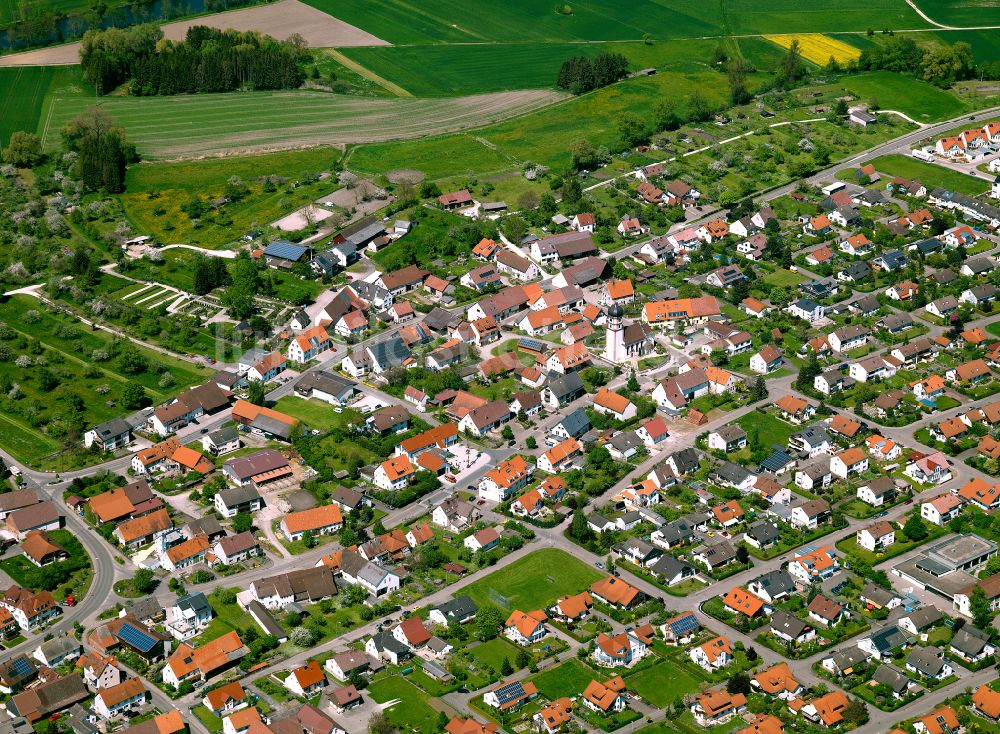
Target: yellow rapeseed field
point(817, 48)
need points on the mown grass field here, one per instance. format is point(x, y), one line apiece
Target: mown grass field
point(930, 175)
point(920, 100)
point(22, 91)
point(411, 711)
point(194, 125)
point(535, 581)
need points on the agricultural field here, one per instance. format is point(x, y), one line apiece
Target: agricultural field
point(929, 174)
point(535, 581)
point(783, 16)
point(448, 21)
point(447, 70)
point(961, 12)
point(22, 91)
point(920, 100)
point(817, 48)
point(985, 44)
point(543, 136)
point(205, 124)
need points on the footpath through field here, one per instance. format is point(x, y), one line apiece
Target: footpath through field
point(367, 73)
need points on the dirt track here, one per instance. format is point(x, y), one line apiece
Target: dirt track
point(280, 20)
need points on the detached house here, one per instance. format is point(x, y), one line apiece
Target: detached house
point(526, 628)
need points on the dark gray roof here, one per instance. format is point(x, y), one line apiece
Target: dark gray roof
point(776, 582)
point(858, 270)
point(866, 304)
point(928, 661)
point(686, 460)
point(385, 641)
point(970, 641)
point(576, 423)
point(813, 435)
point(733, 473)
point(719, 553)
point(889, 638)
point(236, 496)
point(892, 678)
point(668, 567)
point(460, 608)
point(625, 441)
point(567, 384)
point(112, 429)
point(979, 264)
point(676, 531)
point(848, 657)
point(224, 435)
point(391, 352)
point(925, 617)
point(196, 602)
point(764, 532)
point(786, 624)
point(777, 461)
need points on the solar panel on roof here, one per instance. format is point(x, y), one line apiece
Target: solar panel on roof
point(531, 344)
point(509, 692)
point(136, 638)
point(21, 667)
point(284, 250)
point(684, 624)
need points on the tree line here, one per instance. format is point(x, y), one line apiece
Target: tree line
point(581, 74)
point(941, 64)
point(41, 24)
point(207, 60)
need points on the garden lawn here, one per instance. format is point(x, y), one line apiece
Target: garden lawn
point(228, 617)
point(783, 278)
point(315, 413)
point(535, 581)
point(902, 544)
point(913, 97)
point(568, 679)
point(663, 683)
point(492, 653)
point(411, 713)
point(929, 174)
point(770, 429)
point(74, 574)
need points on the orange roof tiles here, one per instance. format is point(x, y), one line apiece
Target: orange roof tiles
point(777, 679)
point(615, 590)
point(526, 622)
point(314, 518)
point(743, 601)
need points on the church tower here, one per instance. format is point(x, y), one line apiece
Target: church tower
point(614, 349)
